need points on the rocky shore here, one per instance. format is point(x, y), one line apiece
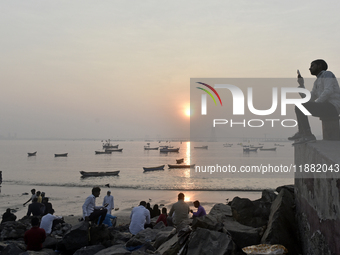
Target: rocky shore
point(225, 230)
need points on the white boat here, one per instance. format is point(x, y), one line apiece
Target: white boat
point(148, 148)
point(167, 149)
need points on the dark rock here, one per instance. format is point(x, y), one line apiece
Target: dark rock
point(242, 235)
point(282, 227)
point(12, 249)
point(221, 211)
point(41, 252)
point(144, 236)
point(99, 234)
point(50, 242)
point(75, 239)
point(206, 242)
point(290, 188)
point(170, 247)
point(208, 221)
point(163, 236)
point(13, 229)
point(120, 237)
point(114, 250)
point(159, 225)
point(268, 195)
point(183, 224)
point(89, 250)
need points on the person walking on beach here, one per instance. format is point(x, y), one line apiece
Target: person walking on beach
point(324, 102)
point(200, 210)
point(91, 212)
point(108, 199)
point(36, 209)
point(34, 237)
point(179, 211)
point(32, 197)
point(140, 216)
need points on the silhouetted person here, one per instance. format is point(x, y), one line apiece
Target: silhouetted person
point(32, 196)
point(163, 217)
point(155, 211)
point(148, 206)
point(91, 212)
point(47, 206)
point(34, 237)
point(35, 208)
point(324, 102)
point(179, 211)
point(200, 210)
point(8, 216)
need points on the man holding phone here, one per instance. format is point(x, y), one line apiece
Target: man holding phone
point(324, 102)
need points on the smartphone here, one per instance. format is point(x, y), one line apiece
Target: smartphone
point(106, 204)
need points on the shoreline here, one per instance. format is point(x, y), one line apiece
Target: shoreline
point(68, 201)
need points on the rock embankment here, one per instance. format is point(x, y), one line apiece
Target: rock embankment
point(225, 230)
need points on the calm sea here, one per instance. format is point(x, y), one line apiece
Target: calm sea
point(45, 169)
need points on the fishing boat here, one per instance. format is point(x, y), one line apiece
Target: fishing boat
point(181, 166)
point(148, 148)
point(88, 174)
point(108, 145)
point(146, 169)
point(227, 144)
point(30, 154)
point(113, 150)
point(61, 155)
point(268, 149)
point(201, 147)
point(103, 152)
point(167, 149)
point(248, 149)
point(259, 147)
point(180, 161)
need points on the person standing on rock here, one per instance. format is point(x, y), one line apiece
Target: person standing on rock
point(179, 211)
point(200, 210)
point(140, 216)
point(91, 212)
point(108, 199)
point(34, 237)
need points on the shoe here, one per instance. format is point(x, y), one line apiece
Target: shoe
point(305, 139)
point(296, 136)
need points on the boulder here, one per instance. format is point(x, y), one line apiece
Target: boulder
point(120, 237)
point(50, 242)
point(163, 236)
point(206, 242)
point(13, 229)
point(75, 239)
point(208, 221)
point(89, 250)
point(268, 195)
point(114, 250)
point(170, 247)
point(144, 236)
point(242, 235)
point(221, 211)
point(12, 249)
point(99, 234)
point(290, 188)
point(41, 252)
point(282, 226)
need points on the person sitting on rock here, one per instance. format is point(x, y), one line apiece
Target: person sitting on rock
point(140, 216)
point(107, 221)
point(47, 222)
point(48, 206)
point(179, 211)
point(200, 210)
point(8, 216)
point(35, 237)
point(35, 208)
point(155, 211)
point(163, 216)
point(91, 212)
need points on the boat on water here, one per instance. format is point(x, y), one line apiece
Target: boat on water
point(30, 154)
point(268, 149)
point(180, 161)
point(276, 144)
point(88, 174)
point(103, 152)
point(167, 149)
point(201, 147)
point(146, 169)
point(61, 155)
point(227, 144)
point(150, 148)
point(113, 150)
point(259, 147)
point(248, 149)
point(181, 166)
point(108, 145)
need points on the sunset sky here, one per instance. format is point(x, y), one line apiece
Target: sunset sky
point(122, 69)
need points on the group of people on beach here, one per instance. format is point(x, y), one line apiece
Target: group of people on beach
point(40, 204)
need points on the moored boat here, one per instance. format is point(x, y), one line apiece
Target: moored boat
point(88, 174)
point(181, 166)
point(103, 152)
point(148, 148)
point(248, 149)
point(180, 161)
point(167, 149)
point(201, 147)
point(113, 150)
point(61, 155)
point(30, 154)
point(268, 149)
point(153, 168)
point(108, 145)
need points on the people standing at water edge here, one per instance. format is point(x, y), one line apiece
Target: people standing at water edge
point(8, 216)
point(200, 210)
point(163, 216)
point(179, 211)
point(32, 197)
point(324, 102)
point(34, 237)
point(139, 217)
point(91, 212)
point(36, 209)
point(47, 222)
point(108, 199)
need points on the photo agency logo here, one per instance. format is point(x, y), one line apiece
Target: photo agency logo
point(279, 98)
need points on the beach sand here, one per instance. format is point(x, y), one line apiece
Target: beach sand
point(68, 201)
